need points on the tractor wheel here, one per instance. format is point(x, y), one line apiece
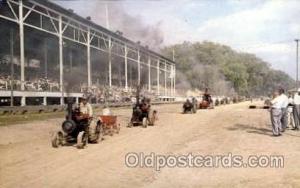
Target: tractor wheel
point(95, 132)
point(57, 139)
point(145, 122)
point(81, 140)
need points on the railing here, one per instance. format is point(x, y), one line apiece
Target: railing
point(58, 108)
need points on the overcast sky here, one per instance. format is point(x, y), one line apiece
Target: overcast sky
point(265, 28)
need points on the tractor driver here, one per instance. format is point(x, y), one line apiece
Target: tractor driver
point(85, 108)
point(187, 106)
point(145, 105)
point(207, 96)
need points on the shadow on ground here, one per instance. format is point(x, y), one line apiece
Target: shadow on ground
point(250, 129)
point(256, 130)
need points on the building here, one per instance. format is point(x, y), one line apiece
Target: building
point(48, 52)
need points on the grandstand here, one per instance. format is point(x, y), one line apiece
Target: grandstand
point(48, 53)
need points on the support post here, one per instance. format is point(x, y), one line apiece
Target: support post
point(126, 67)
point(12, 68)
point(149, 73)
point(297, 63)
point(89, 59)
point(158, 71)
point(166, 79)
point(109, 62)
point(45, 58)
point(71, 60)
point(45, 101)
point(23, 101)
point(171, 80)
point(22, 53)
point(60, 43)
point(174, 80)
point(139, 68)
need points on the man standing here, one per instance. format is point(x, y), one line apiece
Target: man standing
point(284, 100)
point(276, 114)
point(296, 109)
point(291, 120)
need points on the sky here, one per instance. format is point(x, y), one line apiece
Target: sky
point(266, 28)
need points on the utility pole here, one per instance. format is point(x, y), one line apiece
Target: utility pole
point(297, 63)
point(46, 58)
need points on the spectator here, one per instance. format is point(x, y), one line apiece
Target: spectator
point(276, 114)
point(296, 109)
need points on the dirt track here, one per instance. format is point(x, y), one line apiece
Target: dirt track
point(28, 160)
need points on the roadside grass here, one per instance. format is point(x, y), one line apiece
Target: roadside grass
point(23, 118)
point(11, 119)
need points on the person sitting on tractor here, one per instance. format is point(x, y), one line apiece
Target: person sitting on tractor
point(187, 106)
point(144, 106)
point(207, 96)
point(85, 115)
point(85, 108)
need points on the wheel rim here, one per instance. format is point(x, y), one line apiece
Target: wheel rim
point(81, 140)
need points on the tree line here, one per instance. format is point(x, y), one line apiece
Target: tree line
point(224, 71)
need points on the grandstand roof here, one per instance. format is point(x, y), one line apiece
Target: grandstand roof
point(85, 21)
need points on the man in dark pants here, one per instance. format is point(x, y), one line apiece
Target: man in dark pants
point(284, 108)
point(296, 109)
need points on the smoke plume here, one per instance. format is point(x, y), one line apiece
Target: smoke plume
point(131, 27)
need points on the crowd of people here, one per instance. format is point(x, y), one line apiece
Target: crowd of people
point(115, 94)
point(39, 84)
point(36, 80)
point(285, 111)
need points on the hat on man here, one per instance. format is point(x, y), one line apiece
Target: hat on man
point(84, 97)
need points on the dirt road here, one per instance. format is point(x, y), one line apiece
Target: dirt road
point(28, 160)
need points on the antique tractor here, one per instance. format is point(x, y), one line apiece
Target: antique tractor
point(142, 115)
point(190, 106)
point(207, 102)
point(77, 129)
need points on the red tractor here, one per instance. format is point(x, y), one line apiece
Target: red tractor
point(207, 102)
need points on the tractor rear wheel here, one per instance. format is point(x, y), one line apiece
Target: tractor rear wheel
point(95, 132)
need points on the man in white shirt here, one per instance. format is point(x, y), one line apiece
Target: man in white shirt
point(85, 108)
point(296, 109)
point(276, 113)
point(284, 102)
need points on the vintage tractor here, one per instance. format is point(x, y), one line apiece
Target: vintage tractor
point(142, 114)
point(77, 129)
point(190, 106)
point(207, 102)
